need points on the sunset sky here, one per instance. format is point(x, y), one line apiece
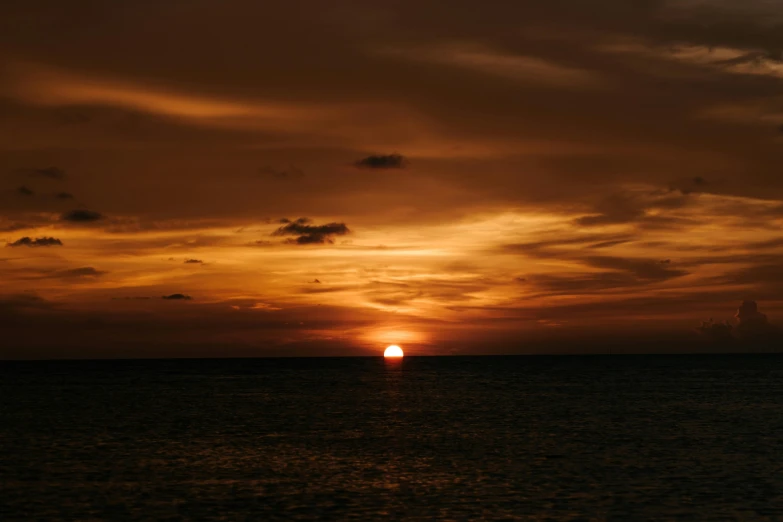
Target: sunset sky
point(302, 177)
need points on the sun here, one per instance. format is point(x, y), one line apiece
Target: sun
point(393, 351)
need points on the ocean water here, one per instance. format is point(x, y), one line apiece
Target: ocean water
point(449, 438)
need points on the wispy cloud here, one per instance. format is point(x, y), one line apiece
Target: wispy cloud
point(49, 86)
point(764, 111)
point(730, 60)
point(481, 59)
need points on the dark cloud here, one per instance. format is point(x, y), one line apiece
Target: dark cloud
point(752, 324)
point(592, 241)
point(623, 208)
point(12, 304)
point(692, 185)
point(400, 293)
point(323, 289)
point(310, 234)
point(177, 297)
point(194, 262)
point(47, 172)
point(81, 216)
point(580, 283)
point(25, 191)
point(316, 281)
point(615, 209)
point(641, 268)
point(64, 195)
point(86, 271)
point(383, 161)
point(290, 173)
point(608, 244)
point(720, 331)
point(620, 273)
point(765, 273)
point(40, 242)
point(13, 226)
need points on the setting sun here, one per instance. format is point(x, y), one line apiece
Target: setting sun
point(393, 351)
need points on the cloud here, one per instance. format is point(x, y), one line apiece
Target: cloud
point(383, 161)
point(481, 59)
point(581, 283)
point(310, 234)
point(25, 191)
point(290, 173)
point(40, 242)
point(759, 110)
point(81, 216)
point(619, 273)
point(55, 173)
point(46, 86)
point(15, 303)
point(194, 262)
point(64, 195)
point(719, 58)
point(614, 209)
point(591, 241)
point(645, 269)
point(720, 331)
point(752, 324)
point(86, 271)
point(316, 281)
point(692, 185)
point(177, 297)
point(641, 206)
point(13, 226)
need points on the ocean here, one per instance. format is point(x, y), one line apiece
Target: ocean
point(426, 438)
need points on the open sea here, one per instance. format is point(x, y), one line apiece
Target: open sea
point(429, 438)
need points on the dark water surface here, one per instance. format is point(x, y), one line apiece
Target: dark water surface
point(457, 438)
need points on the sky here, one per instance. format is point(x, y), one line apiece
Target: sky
point(238, 178)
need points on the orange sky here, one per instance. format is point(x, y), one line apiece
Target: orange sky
point(328, 178)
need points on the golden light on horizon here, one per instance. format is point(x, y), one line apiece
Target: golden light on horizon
point(393, 351)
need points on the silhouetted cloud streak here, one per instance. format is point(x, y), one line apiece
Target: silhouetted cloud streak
point(39, 242)
point(85, 271)
point(177, 297)
point(82, 216)
point(382, 161)
point(310, 234)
